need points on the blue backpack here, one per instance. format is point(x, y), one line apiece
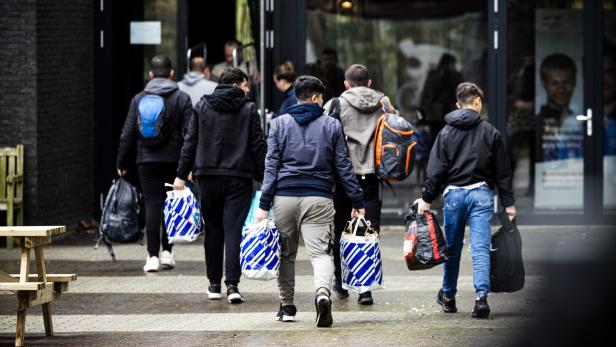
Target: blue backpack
point(153, 120)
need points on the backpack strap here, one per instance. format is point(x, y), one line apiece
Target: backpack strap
point(386, 105)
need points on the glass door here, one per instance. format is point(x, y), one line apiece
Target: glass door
point(560, 109)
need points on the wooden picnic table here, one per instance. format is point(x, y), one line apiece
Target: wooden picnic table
point(33, 289)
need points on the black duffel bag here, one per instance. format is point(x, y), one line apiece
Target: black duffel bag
point(506, 265)
point(120, 219)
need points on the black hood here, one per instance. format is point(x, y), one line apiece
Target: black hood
point(227, 98)
point(463, 118)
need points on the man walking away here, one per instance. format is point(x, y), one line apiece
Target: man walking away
point(226, 149)
point(360, 109)
point(158, 142)
point(469, 160)
point(305, 151)
point(196, 83)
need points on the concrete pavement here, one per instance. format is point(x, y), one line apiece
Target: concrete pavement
point(117, 304)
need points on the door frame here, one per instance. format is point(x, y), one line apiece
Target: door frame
point(593, 212)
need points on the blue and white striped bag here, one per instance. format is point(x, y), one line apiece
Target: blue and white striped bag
point(362, 269)
point(182, 216)
point(260, 251)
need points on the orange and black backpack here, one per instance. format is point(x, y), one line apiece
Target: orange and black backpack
point(394, 145)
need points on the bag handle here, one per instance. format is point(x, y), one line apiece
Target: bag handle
point(510, 225)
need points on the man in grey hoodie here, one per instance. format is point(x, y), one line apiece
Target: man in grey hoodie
point(196, 83)
point(360, 109)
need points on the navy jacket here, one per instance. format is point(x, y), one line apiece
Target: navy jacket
point(289, 100)
point(305, 152)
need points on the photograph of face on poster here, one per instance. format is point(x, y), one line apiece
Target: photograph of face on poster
point(558, 100)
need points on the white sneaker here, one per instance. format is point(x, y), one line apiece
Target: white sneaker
point(151, 264)
point(166, 260)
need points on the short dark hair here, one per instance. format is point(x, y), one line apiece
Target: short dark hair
point(357, 75)
point(285, 72)
point(161, 66)
point(330, 51)
point(467, 91)
point(233, 42)
point(197, 64)
point(307, 86)
point(557, 61)
point(233, 76)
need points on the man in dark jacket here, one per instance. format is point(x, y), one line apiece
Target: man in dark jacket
point(468, 160)
point(305, 150)
point(225, 149)
point(156, 162)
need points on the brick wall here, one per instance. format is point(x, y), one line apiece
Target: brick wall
point(18, 88)
point(47, 101)
point(65, 94)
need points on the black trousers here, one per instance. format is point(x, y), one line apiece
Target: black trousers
point(153, 177)
point(372, 187)
point(225, 201)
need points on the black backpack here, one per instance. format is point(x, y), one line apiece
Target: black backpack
point(153, 123)
point(506, 265)
point(120, 219)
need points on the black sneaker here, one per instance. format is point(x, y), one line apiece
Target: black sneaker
point(233, 295)
point(481, 309)
point(448, 304)
point(365, 298)
point(340, 292)
point(323, 304)
point(213, 293)
point(286, 313)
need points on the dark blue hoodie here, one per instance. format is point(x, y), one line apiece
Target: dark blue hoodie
point(305, 151)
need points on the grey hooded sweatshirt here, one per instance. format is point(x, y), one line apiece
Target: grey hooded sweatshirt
point(196, 85)
point(360, 109)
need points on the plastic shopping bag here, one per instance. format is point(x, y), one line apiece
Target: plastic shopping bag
point(260, 251)
point(424, 242)
point(360, 255)
point(250, 218)
point(182, 216)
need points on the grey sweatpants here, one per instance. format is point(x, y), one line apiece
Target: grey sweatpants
point(313, 216)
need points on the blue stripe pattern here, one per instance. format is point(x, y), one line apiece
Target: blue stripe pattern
point(260, 251)
point(361, 263)
point(182, 216)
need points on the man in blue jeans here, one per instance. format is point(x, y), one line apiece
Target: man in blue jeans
point(468, 160)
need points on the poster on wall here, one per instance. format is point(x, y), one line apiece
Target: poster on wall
point(559, 167)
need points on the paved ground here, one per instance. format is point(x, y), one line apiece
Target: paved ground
point(118, 305)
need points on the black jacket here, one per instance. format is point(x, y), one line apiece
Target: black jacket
point(224, 137)
point(468, 150)
point(180, 109)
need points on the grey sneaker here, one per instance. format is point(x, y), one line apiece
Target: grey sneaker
point(323, 304)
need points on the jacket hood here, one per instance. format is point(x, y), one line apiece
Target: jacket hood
point(161, 86)
point(463, 118)
point(227, 98)
point(364, 99)
point(305, 113)
point(192, 78)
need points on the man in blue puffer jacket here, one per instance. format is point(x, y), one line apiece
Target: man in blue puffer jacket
point(305, 150)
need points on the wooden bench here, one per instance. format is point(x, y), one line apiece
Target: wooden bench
point(33, 289)
point(12, 186)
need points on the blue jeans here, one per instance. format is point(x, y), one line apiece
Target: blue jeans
point(477, 207)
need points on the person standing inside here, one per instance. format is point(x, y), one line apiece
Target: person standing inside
point(225, 148)
point(305, 151)
point(196, 83)
point(284, 76)
point(158, 149)
point(360, 109)
point(469, 161)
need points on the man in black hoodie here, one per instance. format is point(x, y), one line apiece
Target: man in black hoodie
point(225, 149)
point(468, 160)
point(158, 149)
